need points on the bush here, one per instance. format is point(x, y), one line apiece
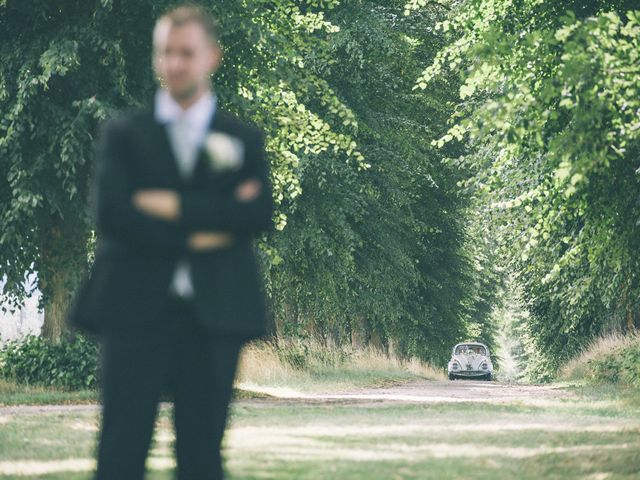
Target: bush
point(611, 359)
point(621, 365)
point(70, 364)
point(307, 354)
point(293, 354)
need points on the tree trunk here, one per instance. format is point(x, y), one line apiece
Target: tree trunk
point(55, 308)
point(359, 332)
point(631, 324)
point(377, 342)
point(313, 327)
point(335, 333)
point(281, 320)
point(62, 263)
point(393, 348)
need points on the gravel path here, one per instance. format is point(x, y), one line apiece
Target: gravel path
point(434, 391)
point(423, 391)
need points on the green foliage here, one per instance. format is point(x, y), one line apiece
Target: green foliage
point(549, 110)
point(71, 65)
point(71, 364)
point(621, 365)
point(372, 231)
point(385, 250)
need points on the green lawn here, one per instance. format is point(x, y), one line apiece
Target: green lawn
point(15, 394)
point(596, 437)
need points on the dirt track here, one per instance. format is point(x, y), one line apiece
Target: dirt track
point(437, 392)
point(415, 392)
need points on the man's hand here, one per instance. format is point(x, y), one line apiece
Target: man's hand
point(164, 204)
point(209, 240)
point(248, 190)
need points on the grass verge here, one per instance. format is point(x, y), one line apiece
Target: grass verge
point(12, 393)
point(311, 367)
point(291, 365)
point(609, 359)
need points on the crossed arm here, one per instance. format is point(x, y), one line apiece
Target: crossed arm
point(166, 205)
point(168, 220)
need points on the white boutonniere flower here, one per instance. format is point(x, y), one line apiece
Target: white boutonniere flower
point(225, 151)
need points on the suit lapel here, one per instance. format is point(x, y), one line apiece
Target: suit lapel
point(162, 155)
point(215, 125)
point(164, 159)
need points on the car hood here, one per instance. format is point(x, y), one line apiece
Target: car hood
point(474, 360)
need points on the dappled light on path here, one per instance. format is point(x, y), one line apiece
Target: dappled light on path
point(442, 427)
point(30, 468)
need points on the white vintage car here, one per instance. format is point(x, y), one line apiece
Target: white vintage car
point(470, 360)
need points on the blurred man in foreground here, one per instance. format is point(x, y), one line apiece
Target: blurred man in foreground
point(182, 189)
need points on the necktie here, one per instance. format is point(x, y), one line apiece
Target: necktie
point(184, 148)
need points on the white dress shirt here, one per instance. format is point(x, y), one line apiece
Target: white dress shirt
point(187, 130)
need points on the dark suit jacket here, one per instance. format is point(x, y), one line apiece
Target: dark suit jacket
point(127, 287)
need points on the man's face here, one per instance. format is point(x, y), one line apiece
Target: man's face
point(184, 58)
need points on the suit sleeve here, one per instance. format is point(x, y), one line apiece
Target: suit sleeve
point(203, 210)
point(116, 215)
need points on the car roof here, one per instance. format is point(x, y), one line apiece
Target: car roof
point(472, 344)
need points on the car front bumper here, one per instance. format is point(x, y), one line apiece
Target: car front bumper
point(470, 373)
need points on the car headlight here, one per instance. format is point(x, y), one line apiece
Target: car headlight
point(484, 366)
point(455, 365)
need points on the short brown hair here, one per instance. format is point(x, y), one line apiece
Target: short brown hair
point(192, 12)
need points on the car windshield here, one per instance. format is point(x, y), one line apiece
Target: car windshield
point(470, 350)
